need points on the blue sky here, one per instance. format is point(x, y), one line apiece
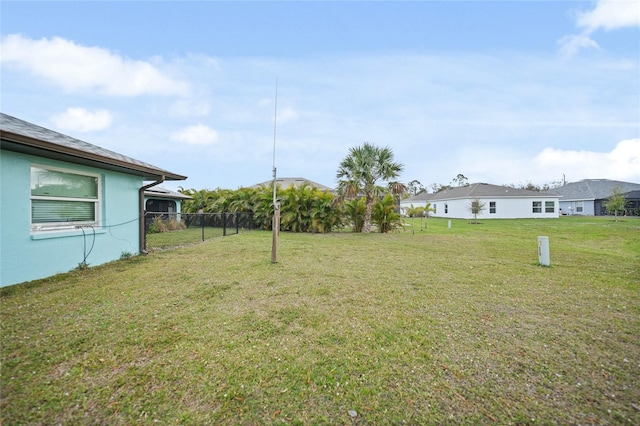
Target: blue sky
point(504, 92)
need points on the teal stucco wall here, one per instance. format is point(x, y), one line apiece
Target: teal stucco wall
point(27, 255)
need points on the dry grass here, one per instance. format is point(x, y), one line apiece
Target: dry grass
point(440, 326)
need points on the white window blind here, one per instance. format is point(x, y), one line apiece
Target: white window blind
point(60, 198)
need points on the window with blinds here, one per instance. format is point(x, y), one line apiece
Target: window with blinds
point(63, 198)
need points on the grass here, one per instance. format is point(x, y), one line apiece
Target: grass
point(436, 326)
point(172, 239)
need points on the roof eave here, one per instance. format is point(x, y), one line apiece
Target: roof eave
point(20, 143)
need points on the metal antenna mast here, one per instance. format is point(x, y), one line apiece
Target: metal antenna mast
point(276, 207)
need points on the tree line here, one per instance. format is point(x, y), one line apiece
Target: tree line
point(368, 194)
point(302, 209)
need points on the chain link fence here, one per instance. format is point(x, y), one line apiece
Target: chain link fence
point(164, 230)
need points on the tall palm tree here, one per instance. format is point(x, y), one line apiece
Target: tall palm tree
point(360, 171)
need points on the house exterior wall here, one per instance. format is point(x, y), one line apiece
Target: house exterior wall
point(26, 255)
point(572, 207)
point(506, 208)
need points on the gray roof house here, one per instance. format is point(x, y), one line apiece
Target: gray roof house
point(66, 202)
point(500, 202)
point(286, 182)
point(588, 197)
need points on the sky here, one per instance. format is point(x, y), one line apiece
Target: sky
point(503, 92)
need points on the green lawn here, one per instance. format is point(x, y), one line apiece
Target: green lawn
point(172, 239)
point(435, 326)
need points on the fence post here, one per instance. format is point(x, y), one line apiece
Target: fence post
point(224, 224)
point(202, 222)
point(146, 231)
point(237, 223)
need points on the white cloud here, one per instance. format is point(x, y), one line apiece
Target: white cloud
point(503, 165)
point(196, 135)
point(570, 45)
point(79, 68)
point(82, 120)
point(622, 163)
point(607, 15)
point(611, 14)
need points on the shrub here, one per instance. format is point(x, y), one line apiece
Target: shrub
point(158, 225)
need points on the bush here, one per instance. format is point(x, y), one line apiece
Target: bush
point(159, 225)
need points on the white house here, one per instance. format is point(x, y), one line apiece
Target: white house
point(500, 202)
point(419, 200)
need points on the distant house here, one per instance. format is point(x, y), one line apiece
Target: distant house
point(588, 197)
point(633, 203)
point(297, 182)
point(161, 200)
point(500, 202)
point(66, 202)
point(164, 203)
point(419, 200)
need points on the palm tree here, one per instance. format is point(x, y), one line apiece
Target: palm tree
point(354, 212)
point(199, 200)
point(325, 213)
point(263, 207)
point(384, 215)
point(360, 172)
point(295, 208)
point(243, 200)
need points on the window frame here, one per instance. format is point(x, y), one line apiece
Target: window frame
point(536, 206)
point(73, 224)
point(493, 207)
point(549, 207)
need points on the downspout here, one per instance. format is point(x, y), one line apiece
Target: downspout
point(142, 240)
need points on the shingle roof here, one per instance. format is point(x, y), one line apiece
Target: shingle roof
point(423, 196)
point(632, 194)
point(158, 191)
point(22, 136)
point(593, 189)
point(484, 190)
point(295, 181)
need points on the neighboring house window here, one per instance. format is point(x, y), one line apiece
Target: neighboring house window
point(492, 206)
point(435, 208)
point(549, 207)
point(537, 206)
point(579, 206)
point(63, 198)
point(446, 208)
point(165, 206)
